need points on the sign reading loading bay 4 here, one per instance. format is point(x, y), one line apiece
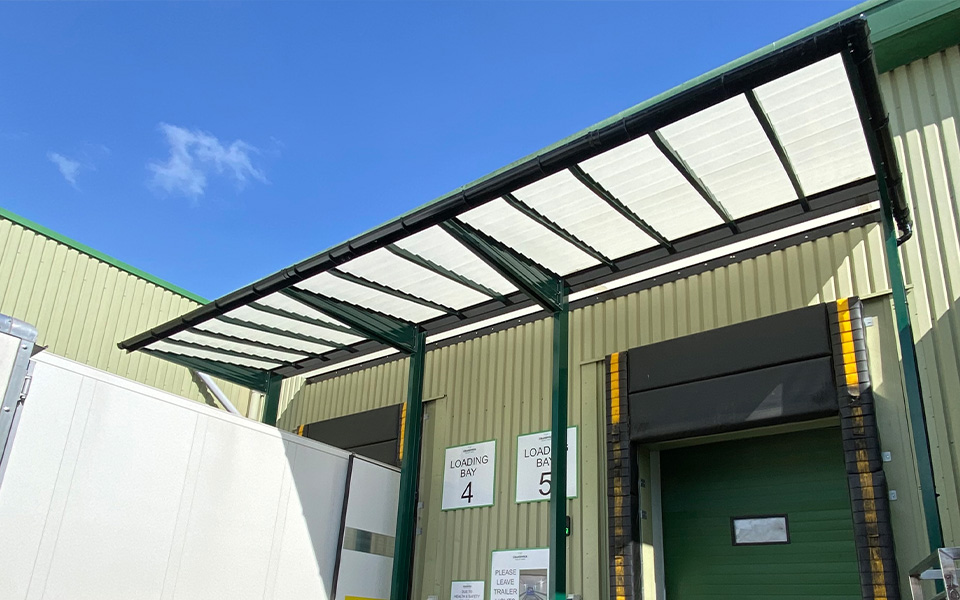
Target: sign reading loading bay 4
point(533, 466)
point(519, 574)
point(468, 475)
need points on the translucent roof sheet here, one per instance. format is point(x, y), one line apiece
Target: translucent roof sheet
point(213, 355)
point(629, 199)
point(252, 315)
point(265, 337)
point(255, 351)
point(816, 119)
point(439, 247)
point(568, 203)
point(393, 271)
point(348, 291)
point(531, 239)
point(643, 179)
point(726, 148)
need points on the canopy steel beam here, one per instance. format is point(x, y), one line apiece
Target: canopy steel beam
point(254, 379)
point(774, 139)
point(228, 352)
point(534, 280)
point(271, 400)
point(558, 230)
point(376, 326)
point(277, 331)
point(681, 165)
point(402, 579)
point(304, 319)
point(861, 72)
point(451, 275)
point(385, 289)
point(256, 344)
point(615, 203)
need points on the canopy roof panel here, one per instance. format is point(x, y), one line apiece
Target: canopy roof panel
point(771, 145)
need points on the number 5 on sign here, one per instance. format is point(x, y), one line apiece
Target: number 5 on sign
point(468, 475)
point(534, 460)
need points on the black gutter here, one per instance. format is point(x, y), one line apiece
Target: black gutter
point(738, 80)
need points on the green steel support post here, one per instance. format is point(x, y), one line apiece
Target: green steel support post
point(271, 403)
point(400, 587)
point(558, 438)
point(862, 74)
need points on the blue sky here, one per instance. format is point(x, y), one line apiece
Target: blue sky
point(211, 144)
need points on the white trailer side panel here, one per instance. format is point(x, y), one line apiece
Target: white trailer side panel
point(116, 490)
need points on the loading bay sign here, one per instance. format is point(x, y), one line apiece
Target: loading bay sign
point(533, 466)
point(468, 474)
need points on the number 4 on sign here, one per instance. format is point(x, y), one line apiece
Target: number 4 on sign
point(468, 493)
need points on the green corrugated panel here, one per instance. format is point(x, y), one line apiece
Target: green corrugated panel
point(82, 306)
point(801, 475)
point(923, 99)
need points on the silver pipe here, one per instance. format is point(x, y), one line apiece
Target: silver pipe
point(218, 393)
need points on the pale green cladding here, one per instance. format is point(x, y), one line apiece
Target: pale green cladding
point(83, 302)
point(923, 99)
point(498, 386)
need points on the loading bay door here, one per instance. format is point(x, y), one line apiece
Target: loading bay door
point(795, 479)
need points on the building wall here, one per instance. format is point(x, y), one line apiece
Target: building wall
point(498, 386)
point(82, 306)
point(923, 99)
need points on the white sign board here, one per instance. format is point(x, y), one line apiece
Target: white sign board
point(468, 475)
point(466, 590)
point(519, 574)
point(533, 466)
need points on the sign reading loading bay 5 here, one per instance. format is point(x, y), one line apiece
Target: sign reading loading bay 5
point(468, 475)
point(533, 466)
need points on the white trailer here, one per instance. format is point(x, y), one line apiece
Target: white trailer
point(110, 489)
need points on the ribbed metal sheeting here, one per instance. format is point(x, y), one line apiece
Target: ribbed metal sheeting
point(498, 386)
point(82, 306)
point(923, 99)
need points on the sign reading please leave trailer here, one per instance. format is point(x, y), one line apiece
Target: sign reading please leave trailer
point(468, 474)
point(519, 574)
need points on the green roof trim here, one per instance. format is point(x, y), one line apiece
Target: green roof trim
point(24, 222)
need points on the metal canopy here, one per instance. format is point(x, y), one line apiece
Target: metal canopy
point(773, 142)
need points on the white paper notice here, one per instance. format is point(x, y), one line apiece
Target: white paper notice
point(519, 574)
point(468, 475)
point(533, 466)
point(466, 590)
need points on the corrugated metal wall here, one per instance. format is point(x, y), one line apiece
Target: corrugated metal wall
point(923, 99)
point(82, 306)
point(498, 386)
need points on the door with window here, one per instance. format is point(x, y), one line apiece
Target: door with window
point(764, 517)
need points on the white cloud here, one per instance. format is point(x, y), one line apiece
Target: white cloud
point(195, 155)
point(68, 167)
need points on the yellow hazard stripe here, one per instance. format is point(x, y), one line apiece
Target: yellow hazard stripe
point(848, 348)
point(403, 427)
point(615, 388)
point(300, 431)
